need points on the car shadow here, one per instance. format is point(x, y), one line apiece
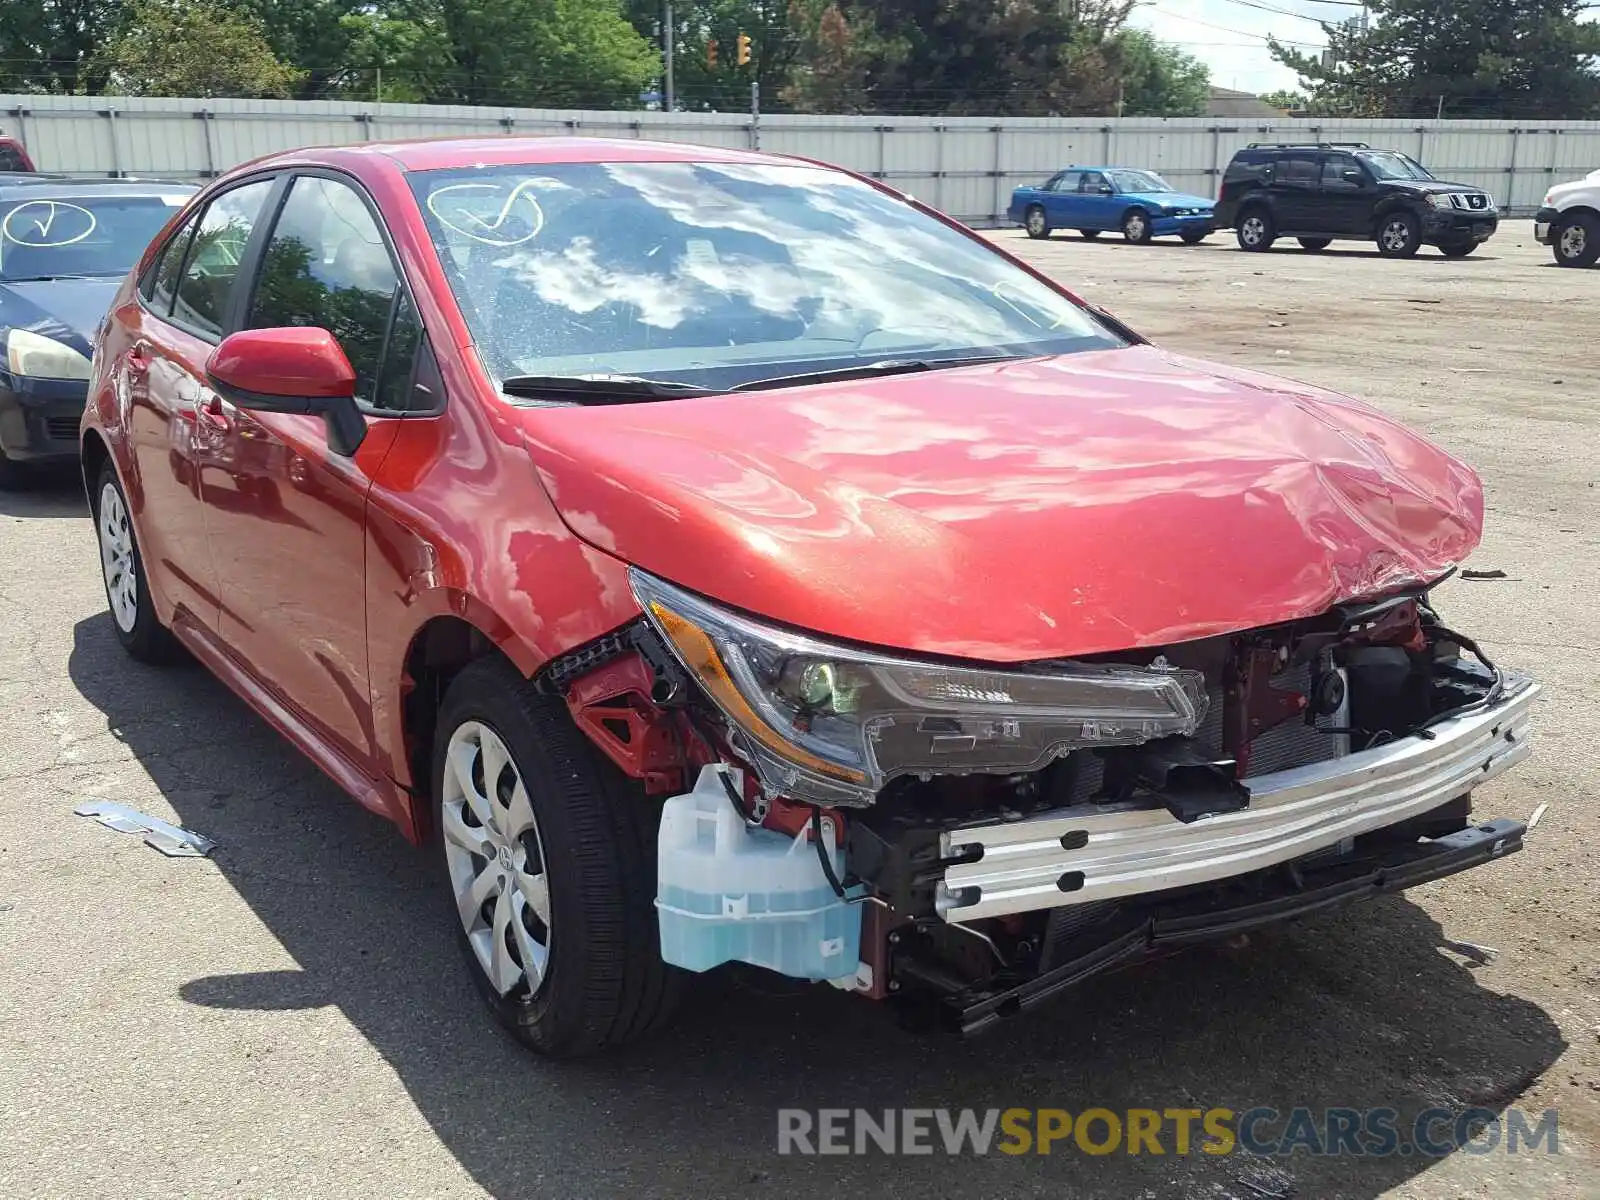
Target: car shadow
point(1357, 1010)
point(54, 491)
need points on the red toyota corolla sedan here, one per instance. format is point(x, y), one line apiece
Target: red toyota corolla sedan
point(726, 558)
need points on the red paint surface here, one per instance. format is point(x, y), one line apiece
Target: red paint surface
point(1094, 502)
point(284, 362)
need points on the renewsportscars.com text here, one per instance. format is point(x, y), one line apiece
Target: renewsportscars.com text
point(1371, 1132)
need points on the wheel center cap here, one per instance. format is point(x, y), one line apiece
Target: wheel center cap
point(504, 855)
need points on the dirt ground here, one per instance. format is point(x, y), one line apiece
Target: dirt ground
point(289, 1018)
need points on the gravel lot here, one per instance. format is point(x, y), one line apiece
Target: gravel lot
point(289, 1018)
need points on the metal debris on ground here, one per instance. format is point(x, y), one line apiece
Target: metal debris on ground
point(1482, 955)
point(1538, 814)
point(1273, 1191)
point(164, 836)
point(1497, 573)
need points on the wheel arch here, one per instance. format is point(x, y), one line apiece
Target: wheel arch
point(1581, 210)
point(93, 454)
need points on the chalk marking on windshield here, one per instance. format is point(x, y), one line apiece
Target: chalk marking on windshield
point(482, 230)
point(40, 236)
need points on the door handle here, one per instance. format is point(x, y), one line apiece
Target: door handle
point(215, 411)
point(138, 359)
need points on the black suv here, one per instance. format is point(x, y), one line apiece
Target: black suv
point(1325, 190)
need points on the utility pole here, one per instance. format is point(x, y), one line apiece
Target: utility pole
point(755, 116)
point(667, 45)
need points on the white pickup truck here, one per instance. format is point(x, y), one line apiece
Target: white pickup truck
point(1569, 221)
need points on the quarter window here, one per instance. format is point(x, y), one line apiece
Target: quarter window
point(327, 265)
point(212, 262)
point(162, 282)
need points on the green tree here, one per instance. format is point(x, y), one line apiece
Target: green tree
point(1284, 99)
point(50, 45)
point(1156, 79)
point(193, 48)
point(1464, 58)
point(312, 35)
point(401, 59)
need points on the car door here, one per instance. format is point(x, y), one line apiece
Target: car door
point(1296, 193)
point(159, 369)
point(1061, 197)
point(1097, 202)
point(285, 514)
point(1346, 205)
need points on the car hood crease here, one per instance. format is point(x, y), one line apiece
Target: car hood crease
point(1036, 509)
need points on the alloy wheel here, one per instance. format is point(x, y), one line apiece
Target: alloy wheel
point(495, 859)
point(116, 559)
point(1574, 240)
point(1396, 234)
point(1036, 223)
point(1253, 230)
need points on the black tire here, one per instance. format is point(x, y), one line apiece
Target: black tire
point(143, 636)
point(1193, 237)
point(1089, 235)
point(1035, 222)
point(604, 983)
point(1255, 230)
point(1399, 235)
point(1575, 241)
point(1457, 249)
point(1136, 227)
point(1314, 244)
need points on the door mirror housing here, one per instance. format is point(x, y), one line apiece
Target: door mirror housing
point(1105, 189)
point(1353, 175)
point(292, 369)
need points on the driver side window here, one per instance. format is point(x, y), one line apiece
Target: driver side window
point(1093, 183)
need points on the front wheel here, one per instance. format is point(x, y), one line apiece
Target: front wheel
point(1035, 223)
point(1136, 226)
point(1314, 243)
point(550, 858)
point(1575, 241)
point(133, 612)
point(1399, 236)
point(1255, 230)
point(1457, 249)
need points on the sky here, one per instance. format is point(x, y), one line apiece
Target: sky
point(1230, 36)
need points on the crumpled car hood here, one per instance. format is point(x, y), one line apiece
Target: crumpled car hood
point(1065, 506)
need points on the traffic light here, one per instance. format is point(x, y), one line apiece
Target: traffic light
point(711, 54)
point(744, 49)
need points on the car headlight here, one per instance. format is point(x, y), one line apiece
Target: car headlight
point(1439, 199)
point(43, 358)
point(831, 724)
point(1548, 201)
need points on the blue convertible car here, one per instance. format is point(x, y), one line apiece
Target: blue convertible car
point(1093, 200)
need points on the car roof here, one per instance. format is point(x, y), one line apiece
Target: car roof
point(432, 154)
point(18, 185)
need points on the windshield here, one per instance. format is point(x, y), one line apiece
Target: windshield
point(720, 274)
point(1391, 164)
point(94, 235)
point(1139, 181)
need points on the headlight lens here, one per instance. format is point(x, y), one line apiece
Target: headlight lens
point(831, 724)
point(1440, 199)
point(43, 358)
point(1548, 201)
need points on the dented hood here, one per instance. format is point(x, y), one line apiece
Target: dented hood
point(1064, 506)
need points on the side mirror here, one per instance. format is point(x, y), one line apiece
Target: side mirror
point(1105, 189)
point(291, 369)
point(1351, 175)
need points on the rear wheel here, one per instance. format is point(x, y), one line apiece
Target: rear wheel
point(1193, 237)
point(1457, 249)
point(1399, 235)
point(1136, 226)
point(1575, 241)
point(133, 612)
point(1089, 235)
point(550, 857)
point(1255, 230)
point(1035, 223)
point(1314, 243)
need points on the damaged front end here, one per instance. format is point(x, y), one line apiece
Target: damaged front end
point(981, 838)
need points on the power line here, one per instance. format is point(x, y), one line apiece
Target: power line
point(1260, 37)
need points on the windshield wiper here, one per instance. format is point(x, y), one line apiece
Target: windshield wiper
point(884, 366)
point(600, 389)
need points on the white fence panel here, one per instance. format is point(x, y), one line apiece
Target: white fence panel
point(966, 166)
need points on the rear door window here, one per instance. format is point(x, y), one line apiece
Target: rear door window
point(1067, 181)
point(161, 284)
point(1299, 171)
